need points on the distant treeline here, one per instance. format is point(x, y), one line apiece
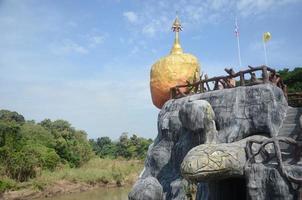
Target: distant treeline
point(133, 147)
point(27, 147)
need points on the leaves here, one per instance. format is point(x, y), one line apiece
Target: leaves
point(293, 79)
point(26, 147)
point(133, 147)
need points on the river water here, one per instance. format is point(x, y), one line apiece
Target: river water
point(120, 193)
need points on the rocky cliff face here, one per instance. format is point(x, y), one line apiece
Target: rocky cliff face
point(207, 122)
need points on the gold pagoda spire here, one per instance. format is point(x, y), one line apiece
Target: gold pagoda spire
point(176, 27)
point(176, 68)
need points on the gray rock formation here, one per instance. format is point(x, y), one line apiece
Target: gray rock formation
point(223, 116)
point(199, 118)
point(265, 182)
point(291, 123)
point(244, 111)
point(209, 162)
point(147, 189)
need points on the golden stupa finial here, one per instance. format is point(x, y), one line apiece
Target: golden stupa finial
point(176, 27)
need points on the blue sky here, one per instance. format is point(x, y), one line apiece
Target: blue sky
point(89, 61)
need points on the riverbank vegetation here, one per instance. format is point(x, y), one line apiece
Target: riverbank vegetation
point(37, 155)
point(97, 171)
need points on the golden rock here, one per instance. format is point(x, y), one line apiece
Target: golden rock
point(175, 69)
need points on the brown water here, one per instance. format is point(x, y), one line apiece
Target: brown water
point(120, 193)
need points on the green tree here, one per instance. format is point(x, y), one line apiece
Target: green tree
point(104, 147)
point(70, 144)
point(293, 79)
point(22, 165)
point(9, 133)
point(47, 124)
point(26, 148)
point(142, 148)
point(133, 147)
point(9, 116)
point(37, 134)
point(122, 148)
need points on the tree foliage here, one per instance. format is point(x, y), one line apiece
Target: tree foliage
point(26, 147)
point(70, 144)
point(293, 79)
point(133, 147)
point(9, 116)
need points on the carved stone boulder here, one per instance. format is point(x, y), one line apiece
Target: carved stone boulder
point(208, 162)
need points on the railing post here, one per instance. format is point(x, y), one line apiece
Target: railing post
point(208, 87)
point(196, 87)
point(216, 87)
point(172, 93)
point(285, 92)
point(201, 86)
point(265, 74)
point(242, 82)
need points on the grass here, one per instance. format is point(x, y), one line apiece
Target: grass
point(96, 171)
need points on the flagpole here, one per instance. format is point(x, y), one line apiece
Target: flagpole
point(238, 42)
point(266, 37)
point(265, 55)
point(239, 54)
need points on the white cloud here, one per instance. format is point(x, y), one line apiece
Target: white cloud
point(160, 24)
point(149, 30)
point(100, 104)
point(95, 40)
point(274, 48)
point(68, 46)
point(157, 16)
point(102, 98)
point(134, 50)
point(253, 7)
point(218, 4)
point(248, 7)
point(131, 16)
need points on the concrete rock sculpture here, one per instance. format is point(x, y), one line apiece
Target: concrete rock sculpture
point(208, 162)
point(214, 129)
point(199, 117)
point(147, 189)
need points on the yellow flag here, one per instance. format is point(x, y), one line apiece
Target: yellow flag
point(266, 36)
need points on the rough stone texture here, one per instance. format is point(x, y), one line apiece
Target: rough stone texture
point(245, 111)
point(265, 182)
point(198, 117)
point(213, 162)
point(210, 162)
point(291, 123)
point(239, 112)
point(147, 189)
